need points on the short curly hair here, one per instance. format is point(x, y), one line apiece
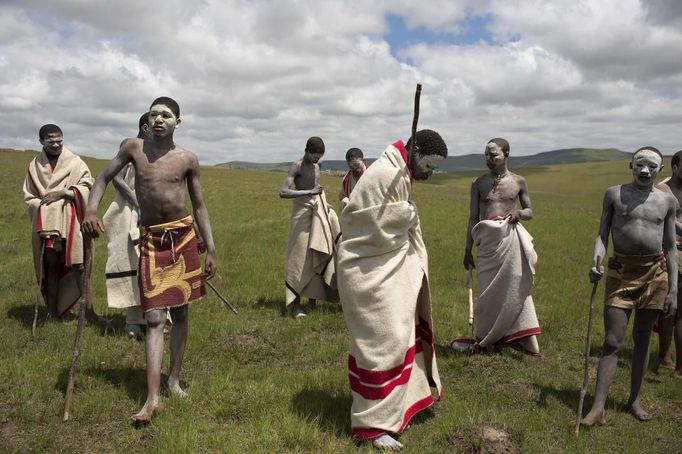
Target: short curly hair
point(354, 153)
point(502, 143)
point(648, 148)
point(314, 145)
point(429, 142)
point(49, 129)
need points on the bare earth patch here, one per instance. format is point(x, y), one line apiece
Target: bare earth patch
point(484, 439)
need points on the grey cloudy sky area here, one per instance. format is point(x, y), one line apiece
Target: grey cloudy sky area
point(255, 79)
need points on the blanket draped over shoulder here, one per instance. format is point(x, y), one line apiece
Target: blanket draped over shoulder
point(348, 183)
point(504, 310)
point(384, 290)
point(59, 220)
point(311, 270)
point(121, 226)
point(170, 270)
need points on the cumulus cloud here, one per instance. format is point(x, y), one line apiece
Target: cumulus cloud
point(255, 79)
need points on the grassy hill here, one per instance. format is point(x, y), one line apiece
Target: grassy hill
point(261, 381)
point(470, 161)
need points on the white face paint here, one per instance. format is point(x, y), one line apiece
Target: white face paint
point(646, 165)
point(162, 120)
point(355, 165)
point(494, 156)
point(425, 165)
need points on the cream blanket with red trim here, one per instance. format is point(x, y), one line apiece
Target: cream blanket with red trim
point(505, 263)
point(384, 290)
point(311, 268)
point(61, 218)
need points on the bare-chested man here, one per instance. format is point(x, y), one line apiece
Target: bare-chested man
point(504, 311)
point(170, 273)
point(669, 328)
point(641, 275)
point(310, 250)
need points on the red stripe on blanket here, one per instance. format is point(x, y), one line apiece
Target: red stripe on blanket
point(364, 433)
point(521, 334)
point(345, 184)
point(403, 152)
point(377, 377)
point(379, 392)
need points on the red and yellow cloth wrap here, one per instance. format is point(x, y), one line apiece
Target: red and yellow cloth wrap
point(170, 270)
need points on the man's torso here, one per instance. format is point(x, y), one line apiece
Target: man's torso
point(497, 198)
point(307, 176)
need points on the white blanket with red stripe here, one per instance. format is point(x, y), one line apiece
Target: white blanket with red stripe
point(60, 219)
point(505, 263)
point(383, 285)
point(311, 268)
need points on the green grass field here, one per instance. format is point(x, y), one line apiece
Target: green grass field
point(264, 382)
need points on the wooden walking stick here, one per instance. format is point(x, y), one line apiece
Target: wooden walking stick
point(85, 299)
point(588, 344)
point(415, 118)
point(222, 298)
point(471, 299)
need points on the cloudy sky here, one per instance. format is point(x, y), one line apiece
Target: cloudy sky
point(255, 79)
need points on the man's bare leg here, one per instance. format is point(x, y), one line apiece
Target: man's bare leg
point(678, 344)
point(387, 443)
point(615, 325)
point(665, 341)
point(51, 264)
point(641, 333)
point(180, 316)
point(154, 351)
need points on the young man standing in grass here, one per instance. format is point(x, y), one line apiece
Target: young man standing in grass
point(356, 167)
point(313, 228)
point(641, 276)
point(384, 288)
point(56, 189)
point(504, 312)
point(170, 274)
point(671, 327)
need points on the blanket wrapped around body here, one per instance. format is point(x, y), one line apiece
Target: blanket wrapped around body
point(170, 270)
point(311, 269)
point(59, 223)
point(384, 290)
point(504, 310)
point(121, 226)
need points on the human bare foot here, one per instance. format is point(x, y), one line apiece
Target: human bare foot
point(175, 389)
point(638, 412)
point(387, 443)
point(594, 418)
point(664, 364)
point(148, 411)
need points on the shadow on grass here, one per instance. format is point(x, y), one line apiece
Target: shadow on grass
point(274, 304)
point(330, 410)
point(134, 380)
point(24, 314)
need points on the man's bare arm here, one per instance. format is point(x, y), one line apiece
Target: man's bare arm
point(201, 216)
point(127, 193)
point(602, 241)
point(286, 192)
point(671, 257)
point(92, 225)
point(526, 211)
point(474, 217)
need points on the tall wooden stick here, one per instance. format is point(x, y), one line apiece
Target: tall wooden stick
point(85, 299)
point(222, 298)
point(586, 375)
point(415, 117)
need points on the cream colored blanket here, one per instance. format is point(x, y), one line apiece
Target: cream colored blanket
point(311, 269)
point(61, 218)
point(121, 227)
point(504, 310)
point(384, 290)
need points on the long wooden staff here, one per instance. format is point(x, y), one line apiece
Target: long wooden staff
point(222, 298)
point(415, 117)
point(588, 344)
point(39, 293)
point(471, 299)
point(85, 299)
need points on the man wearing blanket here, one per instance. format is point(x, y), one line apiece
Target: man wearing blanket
point(504, 311)
point(384, 289)
point(313, 229)
point(121, 222)
point(56, 190)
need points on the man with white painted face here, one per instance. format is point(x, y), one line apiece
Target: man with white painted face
point(56, 190)
point(313, 228)
point(356, 167)
point(641, 275)
point(504, 313)
point(169, 274)
point(383, 279)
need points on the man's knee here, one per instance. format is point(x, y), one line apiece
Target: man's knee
point(155, 318)
point(613, 344)
point(179, 314)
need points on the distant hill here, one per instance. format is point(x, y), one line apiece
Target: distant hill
point(470, 161)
